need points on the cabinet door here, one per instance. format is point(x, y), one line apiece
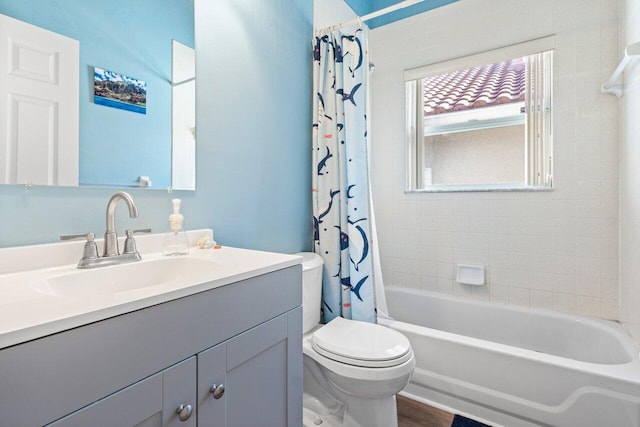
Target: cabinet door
point(179, 389)
point(212, 374)
point(261, 370)
point(149, 403)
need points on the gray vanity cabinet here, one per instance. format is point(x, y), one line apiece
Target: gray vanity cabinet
point(137, 368)
point(241, 382)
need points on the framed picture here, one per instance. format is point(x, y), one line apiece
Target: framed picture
point(119, 91)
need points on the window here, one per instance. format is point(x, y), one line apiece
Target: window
point(482, 127)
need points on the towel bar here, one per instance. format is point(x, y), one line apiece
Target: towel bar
point(631, 51)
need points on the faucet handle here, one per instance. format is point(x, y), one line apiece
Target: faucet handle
point(130, 232)
point(130, 243)
point(89, 236)
point(90, 250)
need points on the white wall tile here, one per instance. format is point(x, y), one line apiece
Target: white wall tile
point(498, 259)
point(540, 299)
point(629, 309)
point(555, 250)
point(566, 303)
point(498, 276)
point(543, 281)
point(589, 306)
point(445, 285)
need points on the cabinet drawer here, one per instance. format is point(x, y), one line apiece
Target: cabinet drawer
point(149, 403)
point(128, 407)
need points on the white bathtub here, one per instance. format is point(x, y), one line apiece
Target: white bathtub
point(515, 366)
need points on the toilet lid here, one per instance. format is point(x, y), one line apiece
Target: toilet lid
point(361, 344)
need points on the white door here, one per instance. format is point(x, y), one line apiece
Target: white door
point(38, 105)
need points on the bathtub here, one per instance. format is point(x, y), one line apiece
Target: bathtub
point(514, 366)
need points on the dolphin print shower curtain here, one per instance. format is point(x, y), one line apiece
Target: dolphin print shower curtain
point(342, 226)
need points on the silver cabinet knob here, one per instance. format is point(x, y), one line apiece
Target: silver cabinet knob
point(217, 391)
point(184, 412)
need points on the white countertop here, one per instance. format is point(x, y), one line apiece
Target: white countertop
point(28, 312)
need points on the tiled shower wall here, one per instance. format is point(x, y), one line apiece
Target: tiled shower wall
point(630, 175)
point(555, 249)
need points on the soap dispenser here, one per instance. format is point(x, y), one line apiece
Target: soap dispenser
point(176, 241)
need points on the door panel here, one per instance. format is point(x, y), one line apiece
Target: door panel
point(39, 92)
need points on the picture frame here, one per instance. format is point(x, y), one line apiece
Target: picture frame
point(117, 90)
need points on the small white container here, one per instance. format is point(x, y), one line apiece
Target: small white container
point(175, 241)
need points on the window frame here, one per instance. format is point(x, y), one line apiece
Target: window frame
point(538, 154)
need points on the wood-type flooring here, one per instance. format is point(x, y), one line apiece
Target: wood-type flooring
point(416, 414)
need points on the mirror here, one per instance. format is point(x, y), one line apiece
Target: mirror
point(116, 147)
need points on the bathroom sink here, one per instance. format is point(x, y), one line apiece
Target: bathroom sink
point(127, 277)
point(42, 292)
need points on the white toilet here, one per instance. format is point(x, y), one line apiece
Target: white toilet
point(352, 369)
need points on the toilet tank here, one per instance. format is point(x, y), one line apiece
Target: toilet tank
point(311, 289)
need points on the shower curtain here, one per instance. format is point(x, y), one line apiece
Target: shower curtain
point(342, 213)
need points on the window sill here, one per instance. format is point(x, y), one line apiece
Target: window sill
point(476, 188)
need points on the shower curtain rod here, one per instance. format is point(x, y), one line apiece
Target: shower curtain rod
point(381, 12)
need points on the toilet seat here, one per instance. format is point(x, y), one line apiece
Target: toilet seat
point(361, 344)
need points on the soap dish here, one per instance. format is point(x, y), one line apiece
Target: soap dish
point(470, 275)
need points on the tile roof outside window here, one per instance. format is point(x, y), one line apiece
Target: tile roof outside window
point(485, 86)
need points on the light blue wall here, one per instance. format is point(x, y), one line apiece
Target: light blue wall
point(363, 7)
point(254, 141)
point(131, 38)
point(255, 104)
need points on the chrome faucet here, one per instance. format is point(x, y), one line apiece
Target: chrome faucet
point(111, 254)
point(110, 236)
